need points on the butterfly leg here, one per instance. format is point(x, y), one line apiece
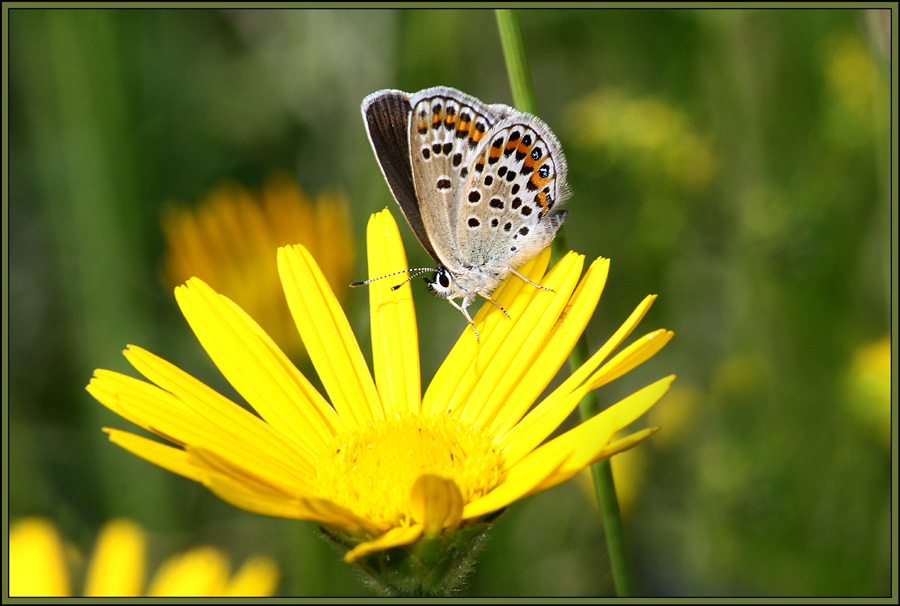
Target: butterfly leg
point(494, 301)
point(529, 281)
point(465, 312)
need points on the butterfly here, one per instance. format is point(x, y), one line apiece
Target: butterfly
point(477, 183)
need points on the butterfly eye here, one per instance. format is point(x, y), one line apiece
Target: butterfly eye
point(441, 285)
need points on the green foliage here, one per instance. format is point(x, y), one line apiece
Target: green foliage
point(735, 162)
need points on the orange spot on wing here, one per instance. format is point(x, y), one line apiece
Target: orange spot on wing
point(537, 180)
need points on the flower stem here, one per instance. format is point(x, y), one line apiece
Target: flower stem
point(605, 488)
point(516, 63)
point(525, 100)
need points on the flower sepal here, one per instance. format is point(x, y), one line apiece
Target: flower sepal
point(431, 566)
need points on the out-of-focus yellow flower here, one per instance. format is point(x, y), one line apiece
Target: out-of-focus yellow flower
point(646, 134)
point(38, 567)
point(853, 76)
point(230, 239)
point(869, 388)
point(381, 465)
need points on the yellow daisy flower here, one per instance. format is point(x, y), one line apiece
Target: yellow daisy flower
point(229, 239)
point(378, 463)
point(38, 566)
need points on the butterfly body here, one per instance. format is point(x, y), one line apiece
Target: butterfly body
point(477, 183)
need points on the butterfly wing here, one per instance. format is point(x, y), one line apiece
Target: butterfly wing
point(517, 177)
point(446, 128)
point(386, 114)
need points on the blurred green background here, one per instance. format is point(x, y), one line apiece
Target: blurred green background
point(735, 162)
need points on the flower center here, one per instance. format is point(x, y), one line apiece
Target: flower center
point(371, 470)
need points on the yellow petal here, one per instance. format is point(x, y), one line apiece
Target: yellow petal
point(521, 349)
point(395, 537)
point(258, 577)
point(436, 503)
point(546, 416)
point(160, 412)
point(535, 428)
point(130, 397)
point(395, 338)
point(518, 482)
point(263, 500)
point(631, 357)
point(254, 476)
point(451, 388)
point(226, 418)
point(567, 472)
point(167, 457)
point(587, 441)
point(117, 566)
point(513, 294)
point(199, 572)
point(555, 350)
point(37, 565)
point(580, 375)
point(328, 338)
point(626, 443)
point(257, 369)
point(635, 405)
point(240, 487)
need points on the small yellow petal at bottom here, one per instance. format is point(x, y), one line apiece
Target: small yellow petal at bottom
point(202, 571)
point(395, 537)
point(257, 577)
point(436, 503)
point(117, 566)
point(39, 567)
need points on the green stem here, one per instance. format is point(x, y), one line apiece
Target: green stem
point(605, 488)
point(516, 62)
point(525, 100)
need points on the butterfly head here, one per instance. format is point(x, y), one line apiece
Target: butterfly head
point(442, 286)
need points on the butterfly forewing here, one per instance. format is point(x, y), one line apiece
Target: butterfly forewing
point(446, 131)
point(516, 178)
point(386, 115)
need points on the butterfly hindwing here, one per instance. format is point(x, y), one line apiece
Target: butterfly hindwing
point(516, 178)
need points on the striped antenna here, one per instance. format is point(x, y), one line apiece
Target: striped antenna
point(413, 273)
